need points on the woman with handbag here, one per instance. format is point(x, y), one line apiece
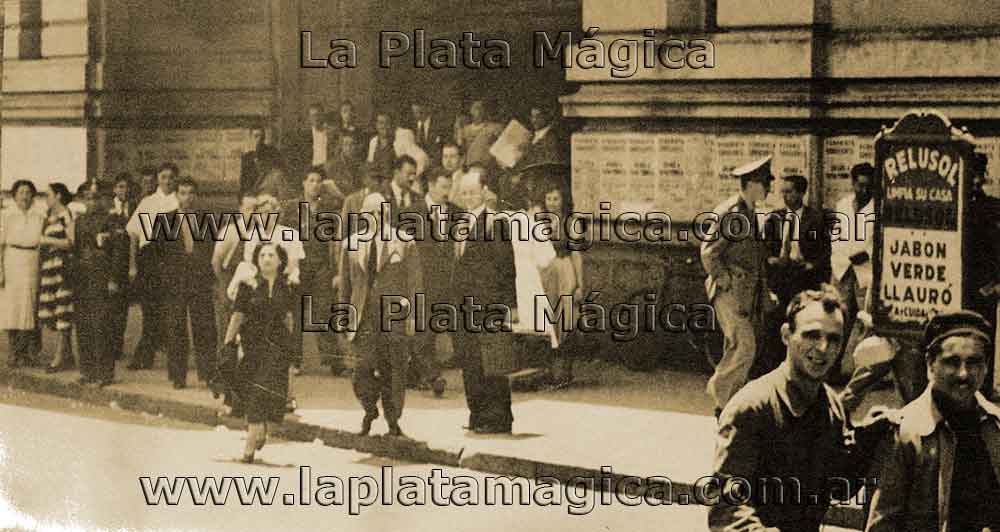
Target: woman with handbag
point(261, 326)
point(55, 297)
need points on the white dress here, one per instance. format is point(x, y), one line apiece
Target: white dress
point(20, 232)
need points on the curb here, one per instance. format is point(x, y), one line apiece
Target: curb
point(400, 449)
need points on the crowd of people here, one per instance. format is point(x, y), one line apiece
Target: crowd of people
point(236, 304)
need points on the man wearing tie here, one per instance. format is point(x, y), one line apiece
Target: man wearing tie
point(404, 171)
point(426, 130)
point(118, 215)
point(484, 270)
point(187, 267)
point(380, 276)
point(800, 260)
point(436, 259)
point(381, 149)
point(735, 261)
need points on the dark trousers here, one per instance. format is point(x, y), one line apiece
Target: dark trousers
point(488, 397)
point(381, 372)
point(117, 319)
point(198, 306)
point(316, 282)
point(93, 334)
point(24, 343)
point(153, 332)
point(424, 366)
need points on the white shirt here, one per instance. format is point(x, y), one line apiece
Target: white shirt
point(120, 208)
point(848, 242)
point(319, 146)
point(540, 134)
point(148, 208)
point(792, 230)
point(424, 129)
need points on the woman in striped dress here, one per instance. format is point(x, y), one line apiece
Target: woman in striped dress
point(55, 295)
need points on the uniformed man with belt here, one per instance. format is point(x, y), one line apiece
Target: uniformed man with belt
point(735, 256)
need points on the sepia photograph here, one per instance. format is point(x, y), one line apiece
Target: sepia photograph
point(597, 265)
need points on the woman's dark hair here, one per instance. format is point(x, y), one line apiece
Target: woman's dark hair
point(23, 183)
point(61, 192)
point(544, 189)
point(282, 255)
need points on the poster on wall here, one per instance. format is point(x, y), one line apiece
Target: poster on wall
point(682, 175)
point(210, 156)
point(922, 171)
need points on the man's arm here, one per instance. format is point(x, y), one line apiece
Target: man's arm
point(712, 252)
point(888, 503)
point(737, 448)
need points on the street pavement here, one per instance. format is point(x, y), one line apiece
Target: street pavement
point(642, 424)
point(72, 467)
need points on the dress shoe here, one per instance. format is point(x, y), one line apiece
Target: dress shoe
point(366, 424)
point(247, 458)
point(395, 431)
point(180, 385)
point(489, 429)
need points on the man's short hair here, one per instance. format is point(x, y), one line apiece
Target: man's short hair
point(123, 177)
point(800, 182)
point(827, 295)
point(187, 181)
point(317, 169)
point(316, 105)
point(862, 169)
point(148, 170)
point(169, 166)
point(451, 144)
point(402, 161)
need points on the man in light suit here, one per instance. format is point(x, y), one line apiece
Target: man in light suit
point(737, 287)
point(381, 277)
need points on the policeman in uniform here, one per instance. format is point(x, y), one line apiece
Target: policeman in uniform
point(735, 257)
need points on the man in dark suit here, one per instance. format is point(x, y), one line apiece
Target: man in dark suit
point(400, 193)
point(119, 209)
point(345, 124)
point(305, 148)
point(102, 252)
point(483, 269)
point(800, 260)
point(380, 149)
point(344, 168)
point(188, 275)
point(546, 145)
point(256, 164)
point(436, 259)
point(316, 270)
point(377, 270)
point(428, 131)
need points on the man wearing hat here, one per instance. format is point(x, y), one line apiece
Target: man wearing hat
point(737, 287)
point(941, 470)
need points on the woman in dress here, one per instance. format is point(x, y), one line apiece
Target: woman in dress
point(55, 298)
point(261, 325)
point(562, 277)
point(20, 233)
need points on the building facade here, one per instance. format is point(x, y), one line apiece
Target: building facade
point(94, 87)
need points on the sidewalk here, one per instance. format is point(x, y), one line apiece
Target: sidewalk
point(638, 424)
